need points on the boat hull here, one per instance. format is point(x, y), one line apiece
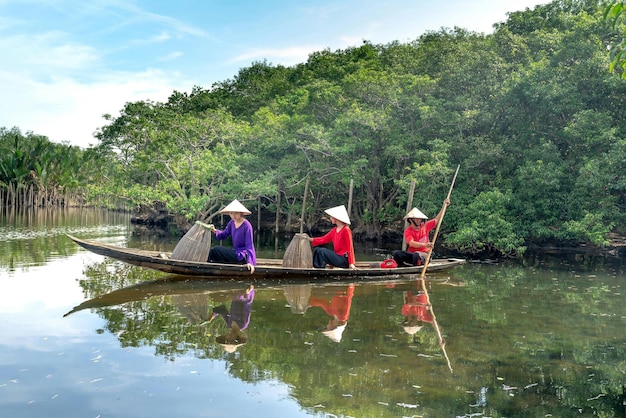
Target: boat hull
point(265, 269)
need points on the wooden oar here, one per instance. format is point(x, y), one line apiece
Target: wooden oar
point(430, 251)
point(443, 212)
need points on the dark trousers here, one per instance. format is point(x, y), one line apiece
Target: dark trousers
point(224, 255)
point(405, 258)
point(323, 256)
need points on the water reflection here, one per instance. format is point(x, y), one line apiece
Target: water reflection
point(416, 309)
point(30, 237)
point(237, 319)
point(338, 309)
point(538, 339)
point(298, 296)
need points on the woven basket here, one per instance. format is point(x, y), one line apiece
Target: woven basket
point(194, 245)
point(298, 253)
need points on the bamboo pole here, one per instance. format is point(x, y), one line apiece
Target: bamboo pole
point(430, 251)
point(258, 220)
point(276, 225)
point(350, 198)
point(306, 192)
point(409, 203)
point(443, 213)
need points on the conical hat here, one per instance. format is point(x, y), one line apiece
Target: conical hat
point(235, 206)
point(335, 334)
point(340, 213)
point(412, 329)
point(415, 213)
point(231, 348)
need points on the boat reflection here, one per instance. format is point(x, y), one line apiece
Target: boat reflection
point(202, 301)
point(294, 333)
point(188, 293)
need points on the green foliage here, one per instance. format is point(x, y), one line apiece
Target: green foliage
point(615, 13)
point(32, 160)
point(591, 228)
point(486, 227)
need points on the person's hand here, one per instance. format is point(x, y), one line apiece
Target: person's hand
point(210, 227)
point(446, 202)
point(250, 267)
point(353, 267)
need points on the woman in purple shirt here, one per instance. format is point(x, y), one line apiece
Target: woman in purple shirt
point(240, 230)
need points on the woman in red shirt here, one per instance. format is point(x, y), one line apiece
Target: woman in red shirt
point(341, 238)
point(417, 238)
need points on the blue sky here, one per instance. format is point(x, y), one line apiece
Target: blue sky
point(65, 63)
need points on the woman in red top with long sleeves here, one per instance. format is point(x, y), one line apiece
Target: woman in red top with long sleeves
point(341, 238)
point(417, 238)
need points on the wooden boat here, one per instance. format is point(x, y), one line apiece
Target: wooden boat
point(265, 268)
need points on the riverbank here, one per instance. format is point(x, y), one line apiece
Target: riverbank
point(615, 248)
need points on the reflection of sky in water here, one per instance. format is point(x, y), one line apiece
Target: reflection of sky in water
point(44, 287)
point(51, 366)
point(23, 233)
point(100, 379)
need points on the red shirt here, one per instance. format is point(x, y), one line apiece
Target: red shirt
point(342, 242)
point(419, 235)
point(339, 306)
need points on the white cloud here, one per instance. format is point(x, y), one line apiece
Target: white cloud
point(45, 54)
point(171, 56)
point(68, 110)
point(286, 56)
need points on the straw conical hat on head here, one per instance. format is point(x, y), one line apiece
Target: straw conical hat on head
point(415, 213)
point(235, 206)
point(340, 213)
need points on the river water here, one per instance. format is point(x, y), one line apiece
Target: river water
point(86, 336)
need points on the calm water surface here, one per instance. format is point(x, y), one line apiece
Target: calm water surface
point(85, 336)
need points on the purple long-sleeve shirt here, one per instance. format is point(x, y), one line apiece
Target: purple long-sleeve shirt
point(240, 310)
point(242, 240)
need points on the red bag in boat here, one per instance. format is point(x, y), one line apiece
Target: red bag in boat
point(390, 263)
